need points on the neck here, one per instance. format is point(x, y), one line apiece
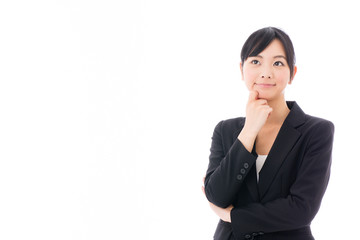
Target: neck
point(279, 113)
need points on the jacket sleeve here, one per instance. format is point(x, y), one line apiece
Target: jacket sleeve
point(227, 170)
point(303, 202)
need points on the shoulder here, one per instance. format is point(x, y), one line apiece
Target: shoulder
point(227, 131)
point(318, 124)
point(317, 131)
point(318, 135)
point(229, 128)
point(305, 122)
point(231, 124)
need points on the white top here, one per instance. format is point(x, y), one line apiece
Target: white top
point(259, 164)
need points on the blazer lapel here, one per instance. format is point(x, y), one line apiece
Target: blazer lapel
point(284, 142)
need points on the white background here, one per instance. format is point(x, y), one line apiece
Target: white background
point(107, 109)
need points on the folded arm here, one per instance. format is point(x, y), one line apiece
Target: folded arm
point(303, 202)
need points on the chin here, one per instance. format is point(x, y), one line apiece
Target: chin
point(265, 96)
point(270, 97)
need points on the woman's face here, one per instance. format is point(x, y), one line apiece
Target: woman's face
point(268, 72)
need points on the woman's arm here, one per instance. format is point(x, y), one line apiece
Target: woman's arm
point(301, 205)
point(223, 213)
point(226, 171)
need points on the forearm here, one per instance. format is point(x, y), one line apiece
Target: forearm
point(279, 215)
point(247, 138)
point(223, 182)
point(223, 213)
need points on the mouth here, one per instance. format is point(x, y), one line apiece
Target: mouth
point(265, 85)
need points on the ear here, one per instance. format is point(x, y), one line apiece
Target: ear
point(242, 71)
point(292, 77)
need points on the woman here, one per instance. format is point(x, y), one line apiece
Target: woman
point(269, 171)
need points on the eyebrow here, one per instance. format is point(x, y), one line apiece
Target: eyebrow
point(277, 56)
point(280, 56)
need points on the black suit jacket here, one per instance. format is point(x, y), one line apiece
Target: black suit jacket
point(291, 183)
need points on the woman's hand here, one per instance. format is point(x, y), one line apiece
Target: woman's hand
point(257, 112)
point(223, 213)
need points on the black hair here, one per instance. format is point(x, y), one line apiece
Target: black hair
point(260, 39)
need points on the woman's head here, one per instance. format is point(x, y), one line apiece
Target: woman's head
point(268, 63)
point(260, 39)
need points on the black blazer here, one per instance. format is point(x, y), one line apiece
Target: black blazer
point(291, 183)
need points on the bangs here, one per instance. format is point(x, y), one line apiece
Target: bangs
point(261, 42)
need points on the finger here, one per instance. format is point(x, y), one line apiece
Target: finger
point(268, 110)
point(262, 101)
point(253, 95)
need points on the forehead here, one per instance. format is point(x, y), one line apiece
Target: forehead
point(275, 48)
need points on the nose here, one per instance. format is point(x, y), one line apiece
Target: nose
point(266, 76)
point(266, 73)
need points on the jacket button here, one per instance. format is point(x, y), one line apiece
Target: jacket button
point(242, 171)
point(246, 165)
point(247, 236)
point(239, 177)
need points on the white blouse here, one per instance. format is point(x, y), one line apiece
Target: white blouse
point(259, 164)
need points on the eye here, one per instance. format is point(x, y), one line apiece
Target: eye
point(279, 63)
point(255, 62)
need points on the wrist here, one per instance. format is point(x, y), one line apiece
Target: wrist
point(247, 138)
point(250, 131)
point(227, 218)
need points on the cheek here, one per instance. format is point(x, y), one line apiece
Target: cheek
point(249, 85)
point(250, 79)
point(283, 77)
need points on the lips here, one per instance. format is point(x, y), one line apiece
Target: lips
point(265, 85)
